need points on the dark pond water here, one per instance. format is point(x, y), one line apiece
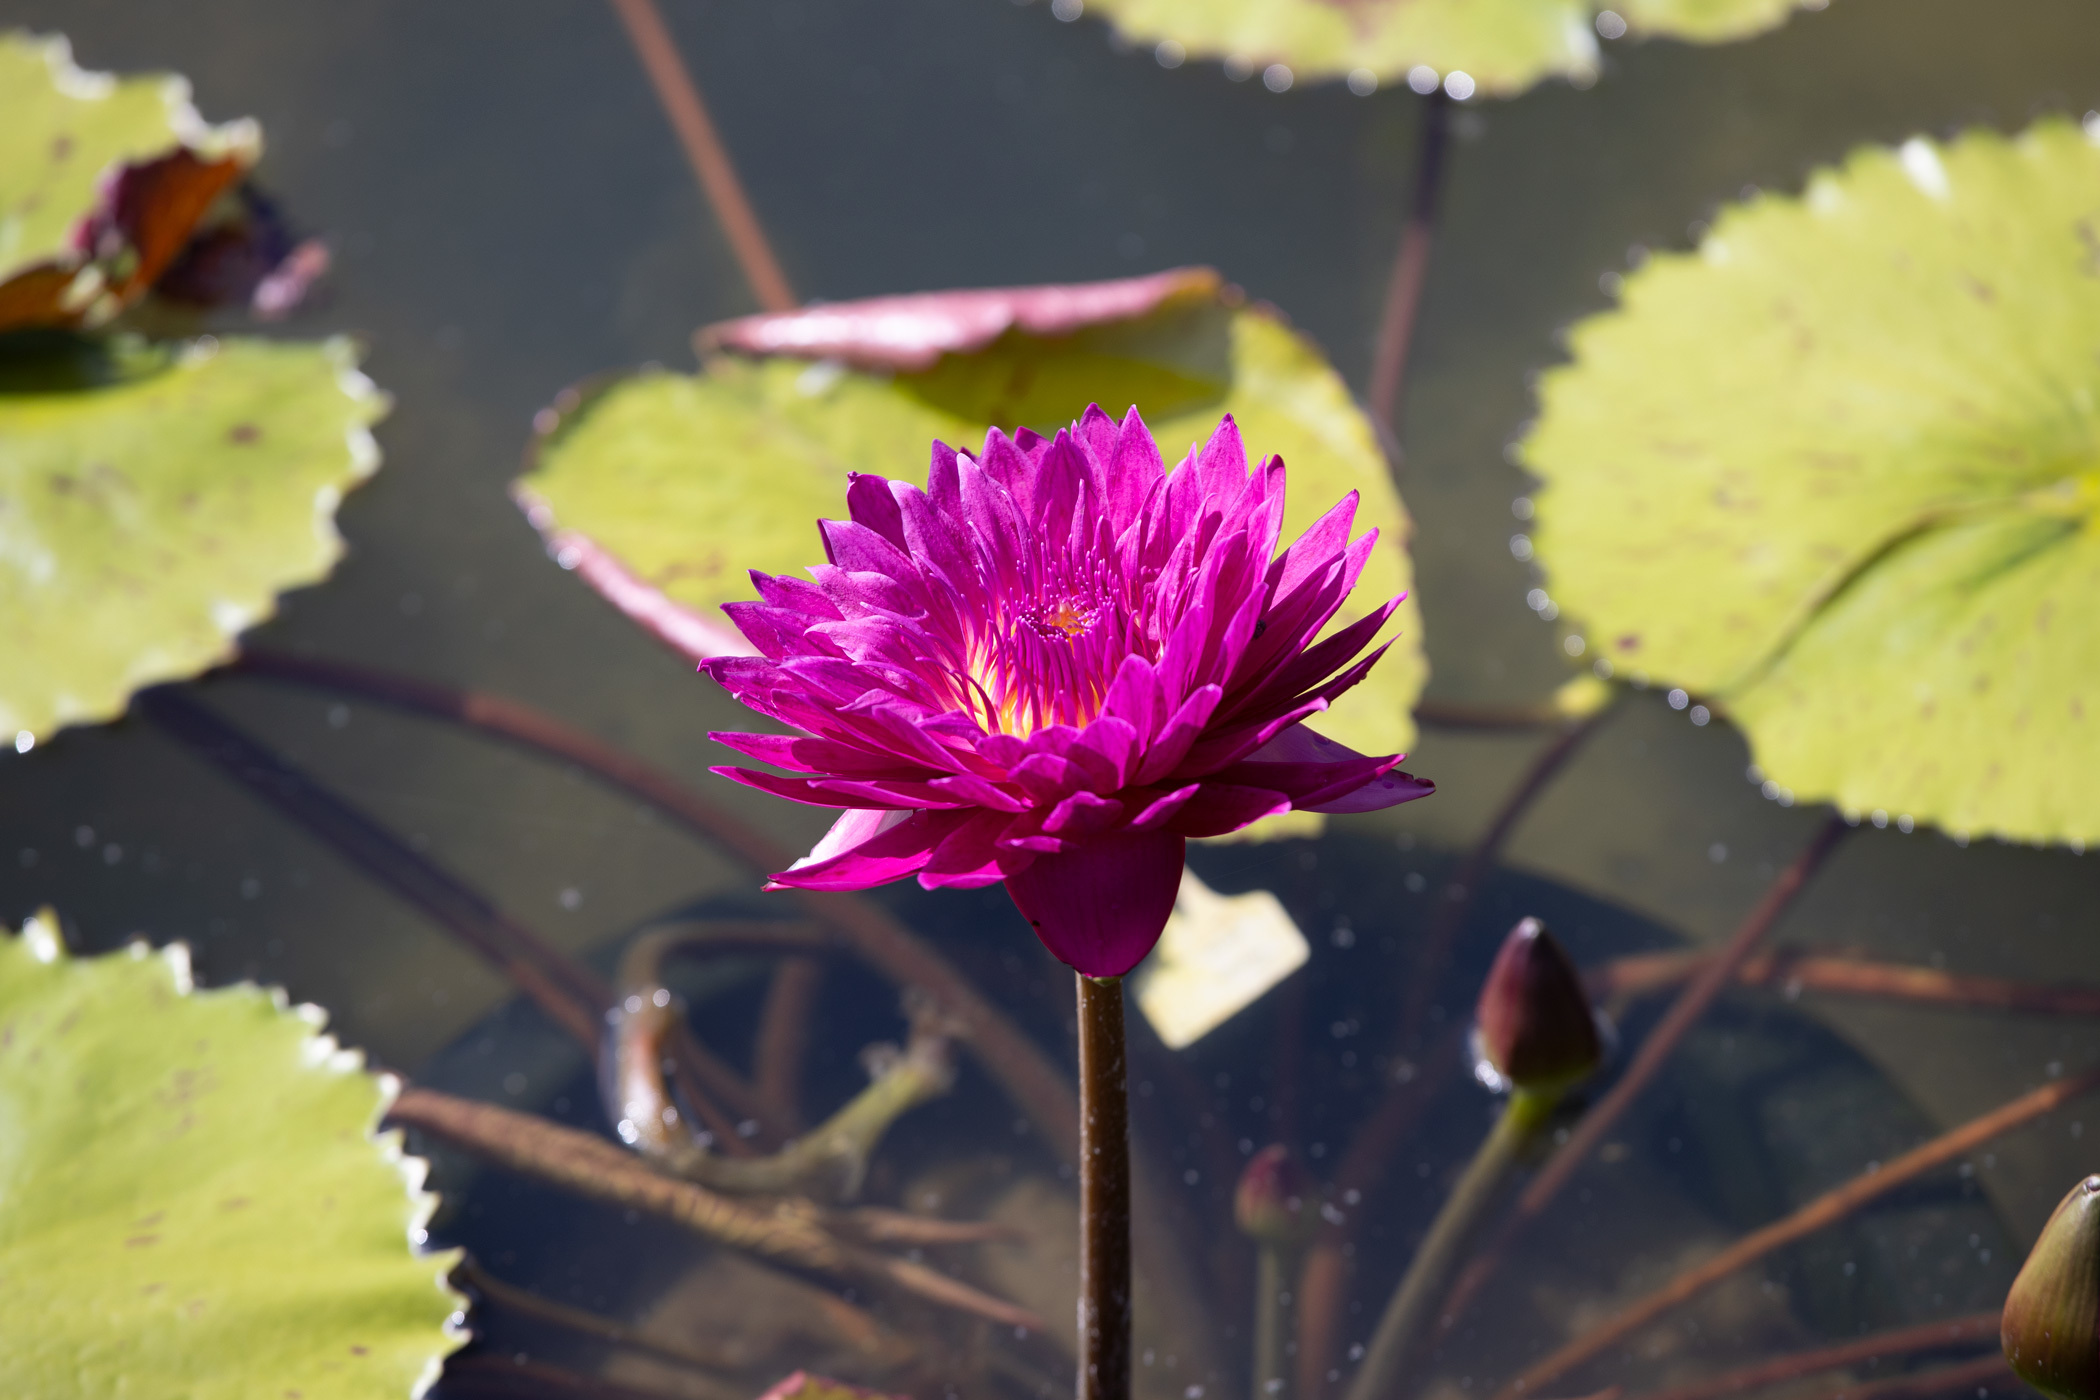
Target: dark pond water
point(511, 214)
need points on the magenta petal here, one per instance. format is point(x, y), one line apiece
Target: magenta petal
point(1388, 789)
point(1101, 906)
point(892, 853)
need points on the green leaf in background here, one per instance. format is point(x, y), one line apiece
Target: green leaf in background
point(1838, 473)
point(1503, 46)
point(194, 1198)
point(153, 502)
point(64, 135)
point(662, 489)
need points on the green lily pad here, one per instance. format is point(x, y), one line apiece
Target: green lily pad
point(1502, 46)
point(1838, 475)
point(65, 137)
point(194, 1196)
point(662, 489)
point(154, 501)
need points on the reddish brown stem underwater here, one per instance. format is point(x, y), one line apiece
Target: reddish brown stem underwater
point(1403, 297)
point(1455, 901)
point(1827, 1209)
point(594, 1168)
point(1655, 1051)
point(783, 1040)
point(1021, 1068)
point(680, 97)
point(1323, 1279)
point(1977, 1329)
point(1796, 969)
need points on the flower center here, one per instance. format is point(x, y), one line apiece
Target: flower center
point(1044, 661)
point(1066, 618)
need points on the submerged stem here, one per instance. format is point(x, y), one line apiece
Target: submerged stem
point(1408, 1313)
point(1403, 298)
point(1104, 1193)
point(1647, 1063)
point(1275, 1264)
point(1822, 1212)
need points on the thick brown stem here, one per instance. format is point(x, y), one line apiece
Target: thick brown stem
point(680, 97)
point(1403, 297)
point(1977, 1329)
point(1822, 1212)
point(1655, 1051)
point(1798, 970)
point(1104, 1193)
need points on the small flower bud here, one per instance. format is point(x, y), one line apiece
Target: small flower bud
point(1273, 1202)
point(1536, 1029)
point(2051, 1331)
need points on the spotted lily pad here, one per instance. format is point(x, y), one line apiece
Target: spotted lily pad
point(194, 1196)
point(663, 489)
point(101, 182)
point(1837, 474)
point(1501, 46)
point(153, 501)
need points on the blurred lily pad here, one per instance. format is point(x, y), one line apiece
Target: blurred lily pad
point(194, 1196)
point(153, 501)
point(1502, 46)
point(662, 489)
point(1838, 474)
point(101, 182)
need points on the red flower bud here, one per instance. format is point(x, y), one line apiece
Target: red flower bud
point(2051, 1331)
point(1273, 1204)
point(1536, 1030)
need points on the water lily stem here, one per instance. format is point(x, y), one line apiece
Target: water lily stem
point(1027, 1074)
point(1403, 297)
point(1273, 1307)
point(1459, 893)
point(1799, 970)
point(570, 994)
point(1104, 1193)
point(787, 1233)
point(1825, 1210)
point(680, 97)
point(783, 1040)
point(1956, 1333)
point(1647, 1063)
point(1410, 1310)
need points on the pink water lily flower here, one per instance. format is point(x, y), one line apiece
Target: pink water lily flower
point(1053, 666)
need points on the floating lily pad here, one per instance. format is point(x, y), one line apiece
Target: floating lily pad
point(101, 181)
point(154, 501)
point(1503, 46)
point(1838, 475)
point(663, 489)
point(194, 1196)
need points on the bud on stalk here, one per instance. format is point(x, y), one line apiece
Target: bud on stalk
point(2051, 1330)
point(1536, 1032)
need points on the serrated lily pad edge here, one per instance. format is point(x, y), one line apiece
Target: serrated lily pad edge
point(1919, 155)
point(40, 937)
point(242, 135)
point(370, 403)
